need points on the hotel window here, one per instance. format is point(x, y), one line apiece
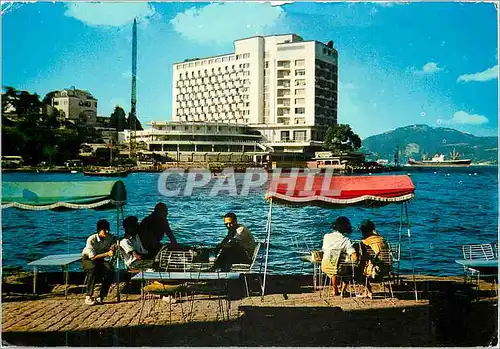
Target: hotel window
point(284, 64)
point(285, 135)
point(299, 72)
point(300, 92)
point(300, 82)
point(299, 63)
point(246, 55)
point(299, 135)
point(266, 64)
point(300, 110)
point(300, 100)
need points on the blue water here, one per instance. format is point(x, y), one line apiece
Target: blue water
point(451, 208)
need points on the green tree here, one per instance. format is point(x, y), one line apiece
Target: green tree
point(49, 150)
point(118, 119)
point(138, 125)
point(28, 104)
point(53, 119)
point(341, 138)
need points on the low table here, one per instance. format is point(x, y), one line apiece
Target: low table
point(58, 260)
point(194, 275)
point(479, 264)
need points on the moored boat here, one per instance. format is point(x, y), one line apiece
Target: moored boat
point(107, 172)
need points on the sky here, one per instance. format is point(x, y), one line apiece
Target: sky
point(399, 63)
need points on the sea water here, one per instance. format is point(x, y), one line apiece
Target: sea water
point(452, 207)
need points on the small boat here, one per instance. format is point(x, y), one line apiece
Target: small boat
point(73, 171)
point(220, 175)
point(107, 172)
point(439, 161)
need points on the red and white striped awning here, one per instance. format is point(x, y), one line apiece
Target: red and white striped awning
point(340, 191)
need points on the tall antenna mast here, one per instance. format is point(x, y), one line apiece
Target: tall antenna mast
point(133, 99)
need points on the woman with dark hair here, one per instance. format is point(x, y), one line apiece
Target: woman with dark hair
point(336, 245)
point(374, 242)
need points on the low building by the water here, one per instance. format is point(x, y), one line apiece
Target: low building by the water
point(199, 142)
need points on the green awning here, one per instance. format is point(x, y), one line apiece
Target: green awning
point(63, 195)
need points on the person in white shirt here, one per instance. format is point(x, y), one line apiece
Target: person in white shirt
point(98, 247)
point(337, 248)
point(133, 251)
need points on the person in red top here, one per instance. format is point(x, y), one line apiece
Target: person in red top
point(152, 229)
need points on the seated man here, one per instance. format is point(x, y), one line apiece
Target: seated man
point(237, 247)
point(99, 246)
point(152, 229)
point(133, 252)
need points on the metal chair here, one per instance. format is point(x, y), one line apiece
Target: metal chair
point(383, 260)
point(246, 269)
point(479, 252)
point(342, 267)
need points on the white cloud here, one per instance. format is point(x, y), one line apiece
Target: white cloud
point(488, 74)
point(428, 68)
point(225, 22)
point(111, 14)
point(461, 117)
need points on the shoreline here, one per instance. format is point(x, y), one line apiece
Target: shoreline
point(240, 168)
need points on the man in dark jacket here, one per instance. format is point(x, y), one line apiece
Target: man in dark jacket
point(152, 229)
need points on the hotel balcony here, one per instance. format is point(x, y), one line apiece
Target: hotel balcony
point(284, 74)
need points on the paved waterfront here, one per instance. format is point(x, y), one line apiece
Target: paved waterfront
point(297, 318)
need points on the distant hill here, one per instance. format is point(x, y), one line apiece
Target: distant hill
point(415, 140)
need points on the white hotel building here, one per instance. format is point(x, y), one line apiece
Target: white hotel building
point(280, 85)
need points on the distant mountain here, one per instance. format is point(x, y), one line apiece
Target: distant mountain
point(415, 140)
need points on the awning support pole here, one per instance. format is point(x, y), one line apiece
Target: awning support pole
point(411, 252)
point(400, 238)
point(268, 240)
point(118, 254)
